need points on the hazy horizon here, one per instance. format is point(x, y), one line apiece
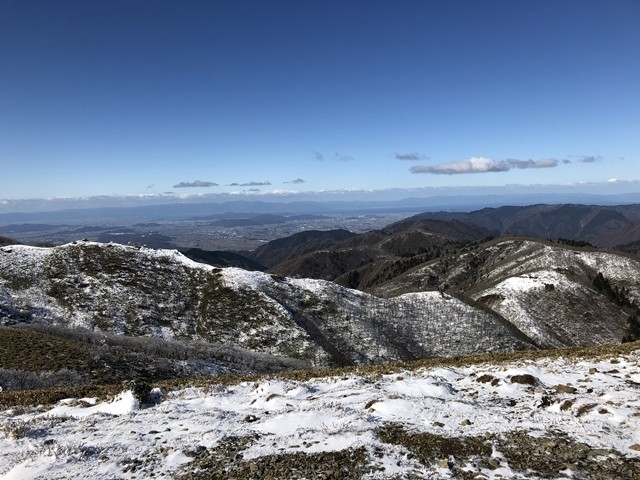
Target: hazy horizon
point(460, 198)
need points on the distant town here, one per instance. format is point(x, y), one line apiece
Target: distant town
point(204, 234)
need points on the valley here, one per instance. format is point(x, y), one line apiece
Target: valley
point(224, 231)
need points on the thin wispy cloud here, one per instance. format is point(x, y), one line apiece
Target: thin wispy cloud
point(250, 184)
point(483, 165)
point(584, 159)
point(336, 156)
point(343, 158)
point(296, 180)
point(412, 157)
point(544, 163)
point(195, 184)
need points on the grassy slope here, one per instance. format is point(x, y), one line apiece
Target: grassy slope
point(51, 395)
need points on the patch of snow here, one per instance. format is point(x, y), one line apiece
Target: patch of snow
point(31, 469)
point(327, 414)
point(123, 404)
point(176, 459)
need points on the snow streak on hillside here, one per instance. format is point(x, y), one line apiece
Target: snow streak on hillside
point(545, 291)
point(559, 418)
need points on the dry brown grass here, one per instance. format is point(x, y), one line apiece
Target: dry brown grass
point(52, 395)
point(36, 352)
point(574, 353)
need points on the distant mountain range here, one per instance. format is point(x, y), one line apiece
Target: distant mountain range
point(145, 209)
point(282, 249)
point(359, 261)
point(609, 227)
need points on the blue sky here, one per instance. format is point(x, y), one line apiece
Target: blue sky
point(186, 98)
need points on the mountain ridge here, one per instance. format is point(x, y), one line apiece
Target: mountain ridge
point(143, 292)
point(603, 226)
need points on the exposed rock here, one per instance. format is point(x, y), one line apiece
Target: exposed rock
point(223, 462)
point(525, 379)
point(565, 389)
point(531, 456)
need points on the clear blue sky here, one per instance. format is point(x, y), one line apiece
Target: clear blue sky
point(138, 97)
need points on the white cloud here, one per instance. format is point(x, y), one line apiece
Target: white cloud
point(195, 184)
point(250, 184)
point(482, 165)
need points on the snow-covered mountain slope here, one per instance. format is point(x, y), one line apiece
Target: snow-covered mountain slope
point(567, 416)
point(139, 291)
point(546, 290)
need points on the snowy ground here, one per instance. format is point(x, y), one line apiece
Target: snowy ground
point(595, 402)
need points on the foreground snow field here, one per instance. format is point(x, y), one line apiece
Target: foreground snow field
point(550, 418)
